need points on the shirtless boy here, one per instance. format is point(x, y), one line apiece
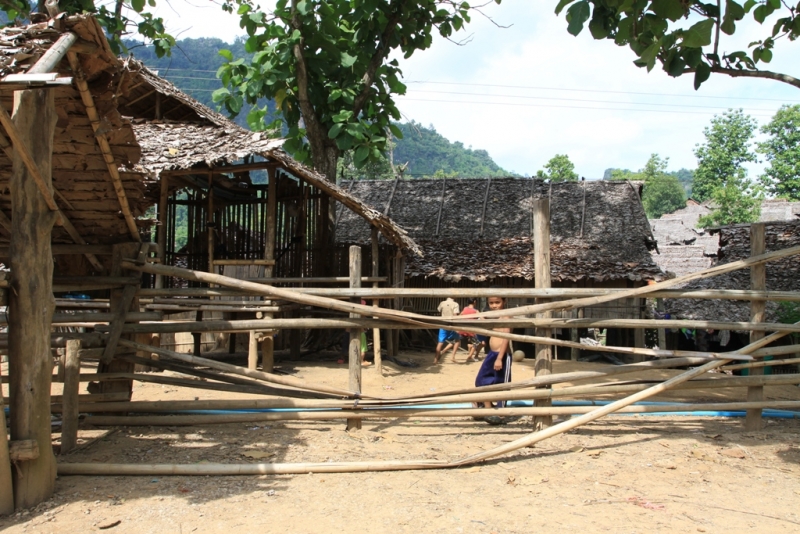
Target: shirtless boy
point(496, 367)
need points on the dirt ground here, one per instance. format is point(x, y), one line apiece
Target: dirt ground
point(619, 474)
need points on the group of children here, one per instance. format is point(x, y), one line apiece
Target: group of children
point(496, 367)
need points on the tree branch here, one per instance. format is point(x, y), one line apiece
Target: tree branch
point(376, 61)
point(737, 73)
point(314, 130)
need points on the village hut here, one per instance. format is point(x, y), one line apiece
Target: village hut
point(91, 144)
point(479, 232)
point(683, 248)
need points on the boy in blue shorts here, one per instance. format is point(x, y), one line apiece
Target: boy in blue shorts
point(496, 367)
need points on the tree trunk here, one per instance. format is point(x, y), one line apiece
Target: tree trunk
point(31, 302)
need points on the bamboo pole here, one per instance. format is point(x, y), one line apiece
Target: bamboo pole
point(69, 417)
point(66, 469)
point(354, 351)
point(506, 292)
point(408, 413)
point(236, 370)
point(753, 365)
point(536, 437)
point(758, 282)
point(283, 324)
point(648, 289)
point(603, 389)
point(541, 255)
point(597, 413)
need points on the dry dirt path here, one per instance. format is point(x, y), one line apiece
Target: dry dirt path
point(620, 474)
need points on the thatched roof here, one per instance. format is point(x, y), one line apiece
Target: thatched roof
point(779, 210)
point(734, 241)
point(189, 135)
point(84, 189)
point(604, 238)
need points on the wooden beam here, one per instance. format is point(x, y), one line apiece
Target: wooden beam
point(105, 147)
point(758, 282)
point(226, 169)
point(376, 333)
point(441, 205)
point(161, 238)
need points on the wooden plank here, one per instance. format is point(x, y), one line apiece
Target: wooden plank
point(541, 259)
point(69, 416)
point(102, 141)
point(758, 282)
point(354, 350)
point(243, 262)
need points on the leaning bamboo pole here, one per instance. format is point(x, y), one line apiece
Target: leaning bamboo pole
point(408, 413)
point(604, 390)
point(346, 323)
point(767, 363)
point(236, 370)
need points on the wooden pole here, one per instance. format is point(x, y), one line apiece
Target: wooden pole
point(758, 282)
point(236, 370)
point(163, 221)
point(252, 351)
point(406, 413)
point(354, 352)
point(210, 222)
point(541, 256)
point(69, 415)
point(268, 341)
point(6, 480)
point(31, 302)
point(121, 302)
point(376, 333)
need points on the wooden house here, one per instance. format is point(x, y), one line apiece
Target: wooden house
point(478, 232)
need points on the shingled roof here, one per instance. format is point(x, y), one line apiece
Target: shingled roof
point(479, 229)
point(734, 241)
point(84, 190)
point(190, 135)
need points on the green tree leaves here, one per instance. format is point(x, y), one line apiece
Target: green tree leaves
point(782, 151)
point(727, 147)
point(558, 169)
point(669, 32)
point(327, 61)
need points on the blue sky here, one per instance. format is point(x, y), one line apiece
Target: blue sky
point(528, 91)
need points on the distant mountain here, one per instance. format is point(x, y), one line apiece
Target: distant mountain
point(193, 66)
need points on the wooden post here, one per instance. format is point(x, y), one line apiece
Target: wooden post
point(638, 333)
point(268, 352)
point(161, 237)
point(758, 281)
point(210, 222)
point(119, 301)
point(399, 281)
point(376, 333)
point(389, 333)
point(541, 255)
point(354, 351)
point(31, 302)
point(6, 484)
point(252, 351)
point(662, 332)
point(69, 414)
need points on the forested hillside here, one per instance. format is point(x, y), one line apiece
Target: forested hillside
point(193, 67)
